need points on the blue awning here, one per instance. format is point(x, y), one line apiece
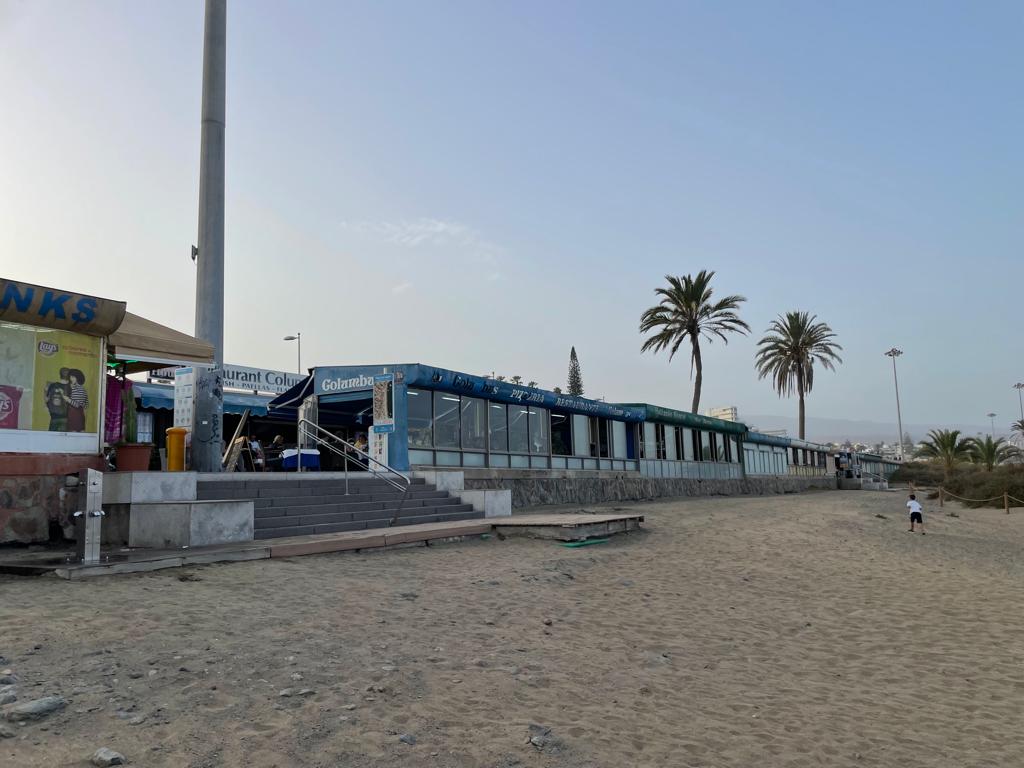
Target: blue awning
point(286, 406)
point(162, 396)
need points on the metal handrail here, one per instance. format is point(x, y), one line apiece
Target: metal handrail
point(404, 484)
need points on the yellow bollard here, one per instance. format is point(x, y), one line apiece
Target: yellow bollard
point(176, 449)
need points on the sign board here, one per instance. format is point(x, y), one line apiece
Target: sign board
point(63, 310)
point(244, 377)
point(383, 403)
point(184, 397)
point(378, 450)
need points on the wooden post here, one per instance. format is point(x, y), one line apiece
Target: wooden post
point(942, 492)
point(1006, 502)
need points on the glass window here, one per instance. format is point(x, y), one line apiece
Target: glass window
point(518, 431)
point(540, 435)
point(619, 439)
point(719, 447)
point(421, 457)
point(603, 448)
point(49, 381)
point(580, 435)
point(671, 443)
point(473, 459)
point(498, 426)
point(659, 441)
point(474, 433)
point(446, 421)
point(695, 442)
point(419, 418)
point(707, 447)
point(686, 442)
point(561, 434)
point(650, 444)
point(144, 427)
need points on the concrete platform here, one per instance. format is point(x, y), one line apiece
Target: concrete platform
point(569, 527)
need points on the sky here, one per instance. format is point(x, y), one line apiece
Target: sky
point(482, 185)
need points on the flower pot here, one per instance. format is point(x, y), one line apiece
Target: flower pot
point(134, 457)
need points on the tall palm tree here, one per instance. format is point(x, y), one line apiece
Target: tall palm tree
point(1018, 427)
point(946, 446)
point(791, 346)
point(687, 312)
point(989, 452)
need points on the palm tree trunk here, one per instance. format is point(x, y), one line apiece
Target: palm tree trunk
point(700, 375)
point(800, 391)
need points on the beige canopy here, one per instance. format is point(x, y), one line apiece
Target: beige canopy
point(142, 345)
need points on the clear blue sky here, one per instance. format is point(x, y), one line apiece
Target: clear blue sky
point(482, 185)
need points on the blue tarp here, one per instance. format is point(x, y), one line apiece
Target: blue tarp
point(162, 396)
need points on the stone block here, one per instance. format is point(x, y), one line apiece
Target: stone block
point(493, 503)
point(171, 525)
point(132, 487)
point(451, 480)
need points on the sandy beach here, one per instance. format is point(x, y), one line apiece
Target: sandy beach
point(781, 631)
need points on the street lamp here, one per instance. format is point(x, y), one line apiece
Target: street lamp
point(297, 338)
point(1019, 386)
point(894, 353)
point(992, 420)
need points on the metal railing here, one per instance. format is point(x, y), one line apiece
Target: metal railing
point(347, 452)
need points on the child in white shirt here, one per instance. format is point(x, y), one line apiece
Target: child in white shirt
point(915, 513)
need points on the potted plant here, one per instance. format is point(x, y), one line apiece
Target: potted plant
point(132, 456)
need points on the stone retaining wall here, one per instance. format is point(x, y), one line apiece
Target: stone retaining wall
point(537, 491)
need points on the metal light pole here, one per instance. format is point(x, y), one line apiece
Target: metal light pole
point(1019, 386)
point(208, 425)
point(992, 420)
point(297, 338)
point(894, 353)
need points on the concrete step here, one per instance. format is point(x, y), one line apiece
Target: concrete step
point(346, 515)
point(286, 497)
point(331, 483)
point(344, 506)
point(429, 516)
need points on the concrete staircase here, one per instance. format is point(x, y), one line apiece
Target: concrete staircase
point(301, 505)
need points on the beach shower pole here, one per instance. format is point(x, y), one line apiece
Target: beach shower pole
point(208, 408)
point(894, 353)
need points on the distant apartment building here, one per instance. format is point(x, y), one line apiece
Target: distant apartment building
point(728, 413)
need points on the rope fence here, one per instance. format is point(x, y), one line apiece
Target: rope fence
point(1005, 497)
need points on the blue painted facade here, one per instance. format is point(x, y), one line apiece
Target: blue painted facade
point(348, 388)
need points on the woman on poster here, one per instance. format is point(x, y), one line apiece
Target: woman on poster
point(78, 401)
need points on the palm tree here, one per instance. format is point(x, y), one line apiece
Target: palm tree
point(792, 345)
point(687, 312)
point(1018, 427)
point(947, 446)
point(989, 452)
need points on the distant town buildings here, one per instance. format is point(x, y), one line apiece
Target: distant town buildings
point(728, 413)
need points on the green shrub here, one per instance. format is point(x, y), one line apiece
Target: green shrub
point(919, 473)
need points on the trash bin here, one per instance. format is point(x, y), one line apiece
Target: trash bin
point(176, 449)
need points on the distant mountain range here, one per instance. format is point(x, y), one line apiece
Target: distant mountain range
point(824, 430)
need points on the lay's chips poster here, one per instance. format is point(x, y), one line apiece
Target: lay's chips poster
point(66, 392)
